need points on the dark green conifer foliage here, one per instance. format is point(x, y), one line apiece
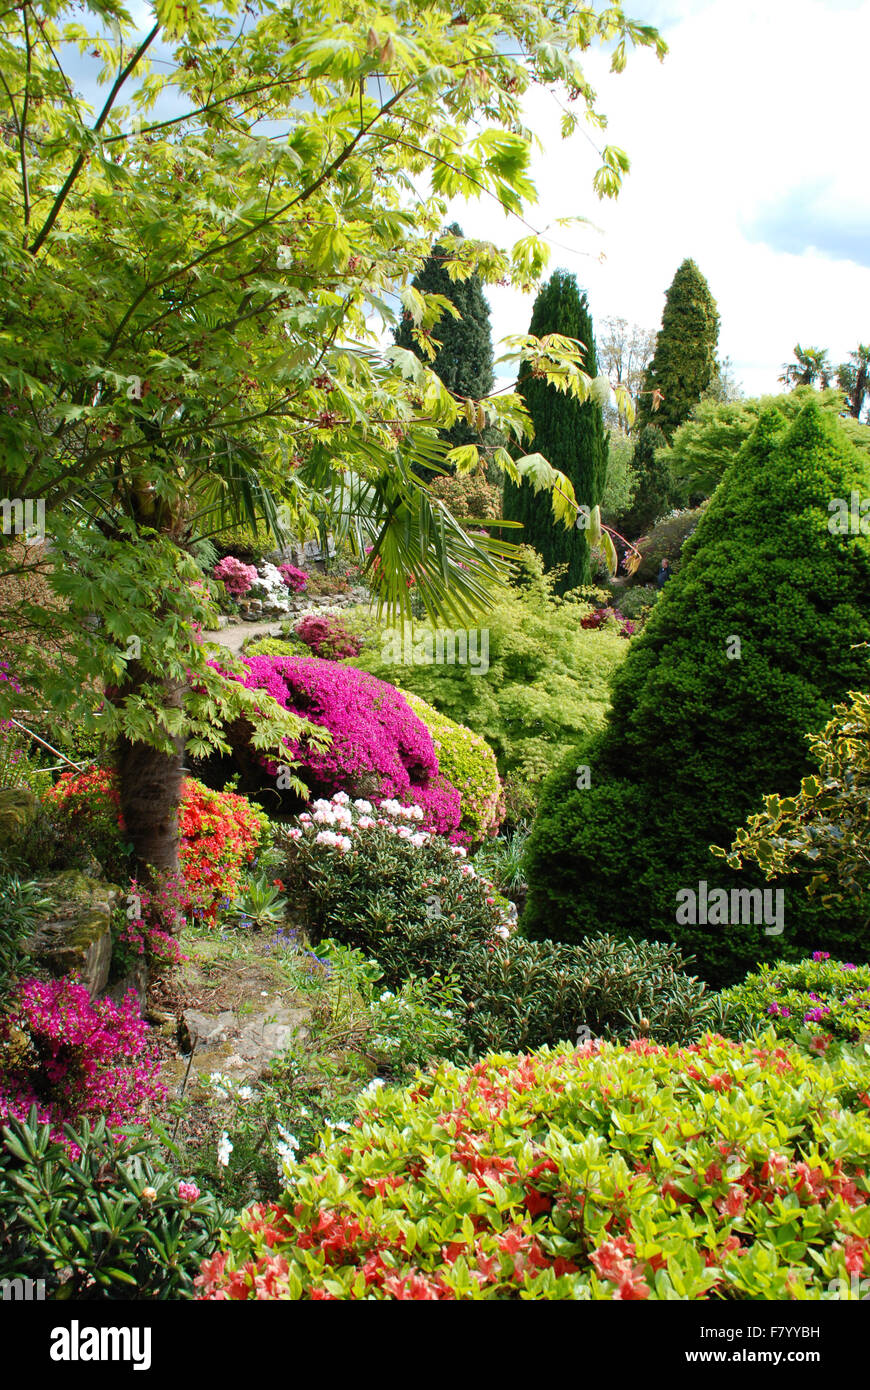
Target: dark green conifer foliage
point(569, 433)
point(464, 361)
point(685, 354)
point(695, 739)
point(650, 501)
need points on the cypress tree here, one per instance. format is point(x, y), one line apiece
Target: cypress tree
point(745, 652)
point(464, 361)
point(569, 433)
point(685, 353)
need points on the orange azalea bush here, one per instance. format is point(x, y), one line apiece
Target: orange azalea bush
point(220, 833)
point(723, 1170)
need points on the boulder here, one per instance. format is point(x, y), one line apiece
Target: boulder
point(76, 931)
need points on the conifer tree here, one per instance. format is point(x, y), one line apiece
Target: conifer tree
point(568, 432)
point(684, 360)
point(464, 359)
point(763, 629)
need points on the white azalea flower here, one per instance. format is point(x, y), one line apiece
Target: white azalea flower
point(341, 798)
point(225, 1148)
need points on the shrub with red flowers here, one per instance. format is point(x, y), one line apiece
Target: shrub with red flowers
point(722, 1170)
point(609, 617)
point(379, 747)
point(220, 833)
point(236, 576)
point(327, 637)
point(71, 1056)
point(294, 578)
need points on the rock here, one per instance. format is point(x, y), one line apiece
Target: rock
point(18, 806)
point(76, 934)
point(242, 1047)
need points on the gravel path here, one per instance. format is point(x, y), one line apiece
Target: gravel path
point(234, 635)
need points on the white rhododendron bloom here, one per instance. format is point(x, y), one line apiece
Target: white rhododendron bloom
point(294, 833)
point(403, 832)
point(458, 851)
point(324, 817)
point(364, 806)
point(321, 805)
point(225, 1148)
point(365, 822)
point(418, 840)
point(341, 798)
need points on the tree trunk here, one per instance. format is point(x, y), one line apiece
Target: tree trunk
point(150, 788)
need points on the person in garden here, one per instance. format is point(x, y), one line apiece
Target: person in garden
point(664, 573)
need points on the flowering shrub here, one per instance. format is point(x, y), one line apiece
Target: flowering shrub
point(469, 764)
point(70, 1056)
point(609, 617)
point(294, 578)
point(270, 587)
point(220, 833)
point(371, 877)
point(815, 999)
point(327, 637)
point(378, 746)
point(100, 1216)
point(236, 576)
point(722, 1170)
point(150, 925)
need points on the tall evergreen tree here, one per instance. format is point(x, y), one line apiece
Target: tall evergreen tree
point(568, 432)
point(464, 361)
point(684, 360)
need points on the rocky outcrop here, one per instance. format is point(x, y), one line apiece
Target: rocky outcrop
point(76, 931)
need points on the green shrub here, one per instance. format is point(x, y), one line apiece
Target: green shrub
point(637, 603)
point(526, 994)
point(547, 683)
point(694, 737)
point(803, 999)
point(275, 646)
point(113, 1223)
point(469, 764)
point(413, 903)
point(665, 541)
point(722, 1171)
point(21, 905)
point(468, 496)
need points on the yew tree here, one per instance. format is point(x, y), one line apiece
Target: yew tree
point(206, 220)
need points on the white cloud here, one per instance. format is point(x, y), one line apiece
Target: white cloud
point(745, 146)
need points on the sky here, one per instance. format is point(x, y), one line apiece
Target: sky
point(748, 154)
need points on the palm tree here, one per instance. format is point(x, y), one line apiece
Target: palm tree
point(852, 379)
point(811, 365)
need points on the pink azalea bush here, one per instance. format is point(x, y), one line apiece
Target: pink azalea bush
point(236, 576)
point(73, 1057)
point(294, 578)
point(379, 746)
point(327, 637)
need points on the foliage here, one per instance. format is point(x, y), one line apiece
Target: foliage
point(811, 365)
point(665, 541)
point(569, 432)
point(719, 1171)
point(310, 1090)
point(97, 1216)
point(397, 893)
point(745, 651)
point(525, 994)
point(378, 746)
point(469, 496)
point(459, 344)
point(219, 833)
point(501, 860)
point(21, 904)
point(70, 1057)
point(638, 602)
point(824, 830)
point(710, 440)
point(685, 353)
point(327, 637)
point(172, 322)
point(811, 1001)
point(853, 379)
point(274, 646)
point(652, 489)
point(546, 686)
point(469, 764)
point(621, 485)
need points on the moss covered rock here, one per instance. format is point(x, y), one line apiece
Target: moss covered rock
point(76, 932)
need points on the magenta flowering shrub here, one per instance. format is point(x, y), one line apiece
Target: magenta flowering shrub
point(294, 578)
point(328, 637)
point(71, 1056)
point(379, 747)
point(153, 921)
point(237, 577)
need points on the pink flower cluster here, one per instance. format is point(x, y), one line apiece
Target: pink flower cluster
point(237, 577)
point(153, 930)
point(73, 1057)
point(374, 731)
point(294, 578)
